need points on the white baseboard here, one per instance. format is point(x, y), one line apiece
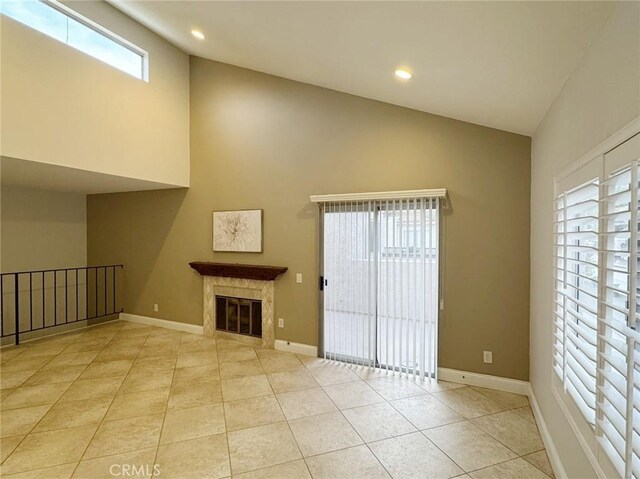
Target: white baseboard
point(552, 452)
point(280, 344)
point(484, 381)
point(162, 323)
point(299, 348)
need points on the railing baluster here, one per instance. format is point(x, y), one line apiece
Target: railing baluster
point(31, 301)
point(44, 313)
point(86, 293)
point(96, 287)
point(55, 297)
point(77, 313)
point(66, 297)
point(17, 308)
point(105, 290)
point(113, 284)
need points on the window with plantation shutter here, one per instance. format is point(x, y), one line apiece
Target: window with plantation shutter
point(618, 398)
point(596, 351)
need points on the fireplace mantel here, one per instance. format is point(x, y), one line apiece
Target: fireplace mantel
point(241, 271)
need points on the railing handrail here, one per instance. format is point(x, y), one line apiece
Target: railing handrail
point(35, 271)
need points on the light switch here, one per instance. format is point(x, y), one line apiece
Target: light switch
point(298, 277)
point(487, 356)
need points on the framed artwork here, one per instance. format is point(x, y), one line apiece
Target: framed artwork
point(237, 231)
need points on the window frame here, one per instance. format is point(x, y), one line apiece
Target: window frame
point(100, 30)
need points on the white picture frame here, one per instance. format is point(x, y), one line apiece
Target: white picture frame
point(238, 231)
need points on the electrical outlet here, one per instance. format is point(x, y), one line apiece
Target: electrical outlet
point(281, 322)
point(155, 307)
point(298, 277)
point(487, 357)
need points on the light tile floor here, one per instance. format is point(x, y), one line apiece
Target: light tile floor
point(127, 400)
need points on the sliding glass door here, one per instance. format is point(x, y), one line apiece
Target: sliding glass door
point(349, 237)
point(380, 283)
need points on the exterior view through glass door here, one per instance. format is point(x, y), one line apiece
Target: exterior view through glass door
point(380, 283)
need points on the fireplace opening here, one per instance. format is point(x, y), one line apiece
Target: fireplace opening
point(239, 315)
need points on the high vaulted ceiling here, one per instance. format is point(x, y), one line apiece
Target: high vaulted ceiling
point(498, 64)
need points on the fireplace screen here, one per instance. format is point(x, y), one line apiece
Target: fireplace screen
point(238, 315)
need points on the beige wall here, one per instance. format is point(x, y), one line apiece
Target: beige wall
point(41, 229)
point(259, 141)
point(601, 96)
point(63, 107)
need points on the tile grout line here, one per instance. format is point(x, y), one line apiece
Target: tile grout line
point(304, 459)
point(354, 430)
point(518, 456)
point(166, 407)
point(367, 444)
point(224, 414)
point(319, 386)
point(109, 408)
point(50, 406)
point(495, 438)
point(443, 452)
point(463, 420)
point(508, 460)
point(465, 472)
point(285, 420)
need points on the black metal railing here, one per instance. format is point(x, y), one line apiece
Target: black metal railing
point(41, 299)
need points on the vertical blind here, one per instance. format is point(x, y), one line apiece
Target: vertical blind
point(350, 286)
point(380, 268)
point(596, 349)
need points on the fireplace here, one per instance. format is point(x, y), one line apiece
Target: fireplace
point(238, 301)
point(239, 315)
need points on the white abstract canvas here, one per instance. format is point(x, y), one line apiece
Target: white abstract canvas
point(239, 231)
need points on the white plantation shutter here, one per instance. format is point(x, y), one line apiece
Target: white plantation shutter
point(559, 280)
point(620, 310)
point(635, 440)
point(616, 222)
point(596, 351)
point(577, 294)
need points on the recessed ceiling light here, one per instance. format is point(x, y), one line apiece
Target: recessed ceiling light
point(403, 74)
point(198, 34)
